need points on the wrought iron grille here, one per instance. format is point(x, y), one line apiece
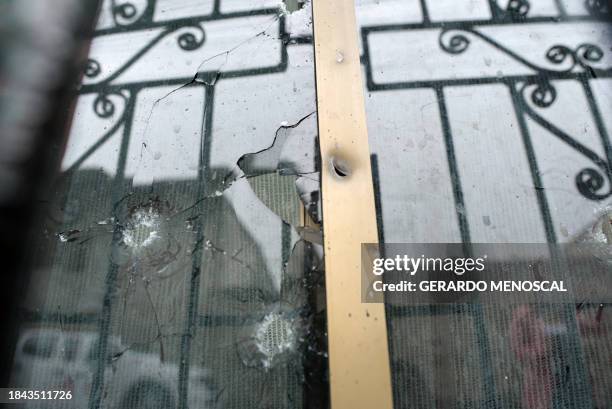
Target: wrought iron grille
point(417, 56)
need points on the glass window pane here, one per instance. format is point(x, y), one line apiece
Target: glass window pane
point(174, 255)
point(487, 124)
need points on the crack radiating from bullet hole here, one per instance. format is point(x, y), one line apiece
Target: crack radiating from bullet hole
point(271, 155)
point(214, 78)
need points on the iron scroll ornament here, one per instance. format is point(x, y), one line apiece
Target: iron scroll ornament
point(127, 13)
point(591, 180)
point(192, 38)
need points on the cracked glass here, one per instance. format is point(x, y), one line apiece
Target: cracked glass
point(488, 123)
point(179, 262)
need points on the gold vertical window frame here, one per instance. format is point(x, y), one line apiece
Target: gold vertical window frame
point(357, 334)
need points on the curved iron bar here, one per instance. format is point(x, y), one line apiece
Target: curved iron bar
point(515, 10)
point(589, 180)
point(104, 108)
point(92, 68)
point(544, 94)
point(557, 54)
point(125, 13)
point(187, 41)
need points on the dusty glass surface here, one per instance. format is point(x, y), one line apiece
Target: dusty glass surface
point(489, 123)
point(174, 268)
